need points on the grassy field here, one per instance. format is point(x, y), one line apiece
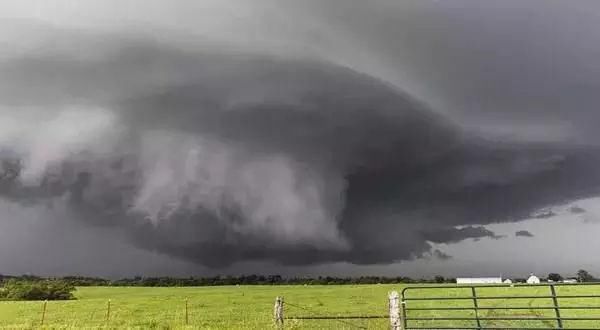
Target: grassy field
point(251, 307)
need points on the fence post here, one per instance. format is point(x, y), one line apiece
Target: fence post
point(108, 311)
point(278, 312)
point(186, 312)
point(395, 322)
point(556, 308)
point(44, 311)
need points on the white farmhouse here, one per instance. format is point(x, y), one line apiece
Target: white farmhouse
point(478, 280)
point(533, 279)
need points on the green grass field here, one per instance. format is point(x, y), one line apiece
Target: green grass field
point(251, 307)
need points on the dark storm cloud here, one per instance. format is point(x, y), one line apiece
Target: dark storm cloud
point(220, 156)
point(441, 255)
point(523, 69)
point(577, 210)
point(405, 176)
point(454, 235)
point(523, 233)
point(544, 214)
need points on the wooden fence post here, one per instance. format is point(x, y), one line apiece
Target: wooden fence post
point(186, 312)
point(108, 311)
point(278, 312)
point(44, 311)
point(395, 322)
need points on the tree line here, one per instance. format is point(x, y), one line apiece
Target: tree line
point(253, 279)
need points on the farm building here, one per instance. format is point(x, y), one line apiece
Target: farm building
point(570, 280)
point(478, 280)
point(533, 279)
point(507, 281)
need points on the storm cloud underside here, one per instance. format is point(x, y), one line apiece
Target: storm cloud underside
point(218, 156)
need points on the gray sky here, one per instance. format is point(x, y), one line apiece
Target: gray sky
point(299, 137)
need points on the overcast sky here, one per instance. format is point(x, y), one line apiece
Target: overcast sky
point(339, 137)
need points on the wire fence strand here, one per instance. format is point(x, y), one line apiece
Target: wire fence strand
point(340, 319)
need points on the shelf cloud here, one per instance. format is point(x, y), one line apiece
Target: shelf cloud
point(218, 154)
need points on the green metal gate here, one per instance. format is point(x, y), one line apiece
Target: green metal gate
point(518, 306)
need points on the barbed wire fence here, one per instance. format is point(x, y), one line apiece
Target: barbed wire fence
point(293, 314)
point(349, 321)
point(103, 315)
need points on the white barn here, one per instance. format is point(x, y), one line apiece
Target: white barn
point(478, 280)
point(533, 279)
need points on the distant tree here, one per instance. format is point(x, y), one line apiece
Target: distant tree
point(18, 289)
point(584, 276)
point(439, 279)
point(555, 277)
